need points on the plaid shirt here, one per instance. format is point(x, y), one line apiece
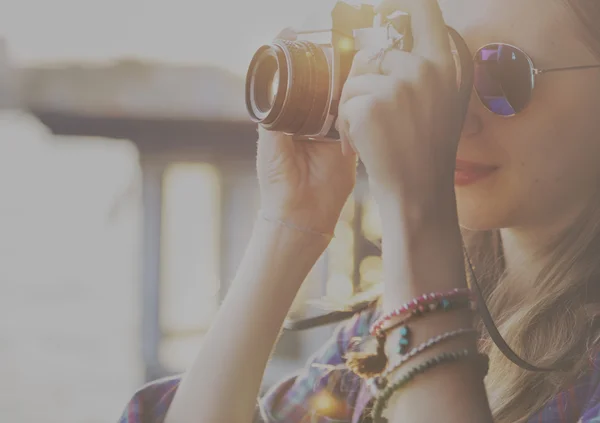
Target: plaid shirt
point(325, 392)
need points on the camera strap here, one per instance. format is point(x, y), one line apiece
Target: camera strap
point(465, 90)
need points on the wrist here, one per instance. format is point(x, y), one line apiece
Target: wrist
point(288, 240)
point(304, 219)
point(422, 248)
point(290, 223)
point(417, 213)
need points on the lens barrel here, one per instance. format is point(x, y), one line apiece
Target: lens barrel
point(288, 87)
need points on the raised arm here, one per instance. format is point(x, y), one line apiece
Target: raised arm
point(223, 383)
point(403, 115)
point(303, 189)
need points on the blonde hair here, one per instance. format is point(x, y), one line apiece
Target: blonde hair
point(553, 320)
point(550, 321)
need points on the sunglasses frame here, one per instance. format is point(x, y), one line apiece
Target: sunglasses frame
point(534, 73)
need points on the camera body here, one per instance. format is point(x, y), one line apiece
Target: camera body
point(294, 86)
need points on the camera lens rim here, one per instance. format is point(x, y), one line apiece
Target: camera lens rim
point(302, 98)
point(255, 81)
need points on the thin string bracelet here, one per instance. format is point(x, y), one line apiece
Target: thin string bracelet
point(268, 218)
point(382, 399)
point(378, 383)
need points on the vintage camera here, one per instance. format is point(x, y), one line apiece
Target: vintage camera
point(295, 86)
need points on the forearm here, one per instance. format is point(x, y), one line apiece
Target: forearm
point(423, 254)
point(223, 383)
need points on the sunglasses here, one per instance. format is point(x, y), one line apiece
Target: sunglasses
point(505, 77)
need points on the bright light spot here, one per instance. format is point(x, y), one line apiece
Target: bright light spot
point(346, 44)
point(371, 223)
point(370, 272)
point(324, 403)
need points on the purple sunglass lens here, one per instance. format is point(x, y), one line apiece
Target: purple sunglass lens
point(503, 78)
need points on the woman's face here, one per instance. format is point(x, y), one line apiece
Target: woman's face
point(548, 156)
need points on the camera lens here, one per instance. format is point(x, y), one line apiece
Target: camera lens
point(287, 87)
point(272, 89)
point(265, 83)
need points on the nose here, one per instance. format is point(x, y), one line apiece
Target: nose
point(472, 126)
point(473, 123)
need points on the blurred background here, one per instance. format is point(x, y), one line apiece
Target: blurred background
point(128, 193)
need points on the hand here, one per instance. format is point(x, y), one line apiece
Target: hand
point(404, 123)
point(304, 182)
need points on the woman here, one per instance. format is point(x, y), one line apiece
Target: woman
point(524, 190)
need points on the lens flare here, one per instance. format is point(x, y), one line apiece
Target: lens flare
point(325, 404)
point(346, 44)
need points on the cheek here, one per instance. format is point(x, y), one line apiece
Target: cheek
point(558, 135)
point(554, 160)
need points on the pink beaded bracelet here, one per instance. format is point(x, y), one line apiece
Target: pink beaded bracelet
point(418, 304)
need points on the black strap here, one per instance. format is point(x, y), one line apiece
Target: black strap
point(326, 318)
point(492, 330)
point(466, 87)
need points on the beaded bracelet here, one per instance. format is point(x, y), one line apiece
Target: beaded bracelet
point(378, 383)
point(441, 305)
point(369, 365)
point(382, 400)
point(419, 304)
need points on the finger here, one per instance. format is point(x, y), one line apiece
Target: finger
point(394, 62)
point(368, 61)
point(354, 112)
point(341, 126)
point(348, 148)
point(366, 84)
point(428, 28)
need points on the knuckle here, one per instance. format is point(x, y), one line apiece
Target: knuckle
point(361, 58)
point(399, 86)
point(426, 69)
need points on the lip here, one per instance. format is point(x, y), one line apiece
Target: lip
point(468, 173)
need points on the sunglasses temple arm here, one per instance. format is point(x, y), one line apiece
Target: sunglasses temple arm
point(542, 71)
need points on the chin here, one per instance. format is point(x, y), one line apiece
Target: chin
point(482, 214)
point(478, 227)
point(491, 203)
